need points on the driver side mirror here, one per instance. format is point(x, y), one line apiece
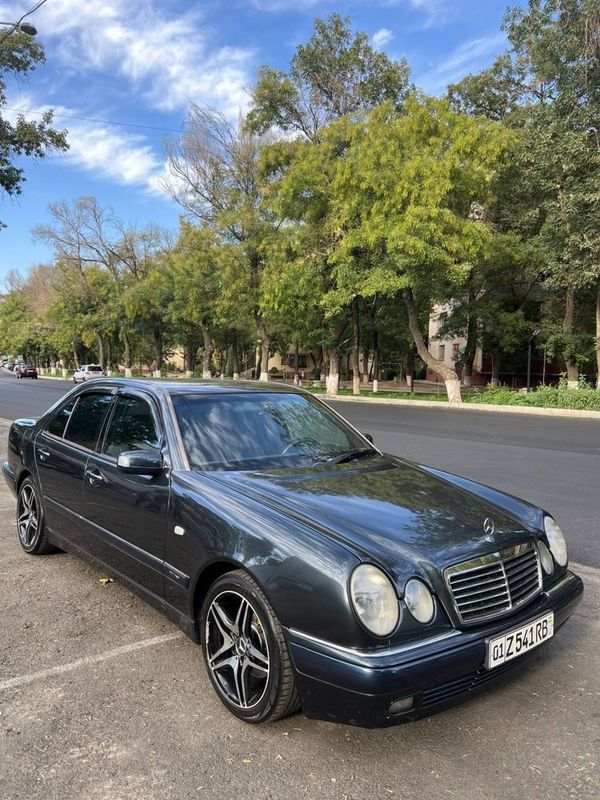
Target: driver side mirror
point(368, 437)
point(140, 462)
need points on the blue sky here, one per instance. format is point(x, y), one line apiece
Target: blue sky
point(141, 62)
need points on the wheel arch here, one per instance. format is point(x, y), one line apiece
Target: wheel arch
point(205, 579)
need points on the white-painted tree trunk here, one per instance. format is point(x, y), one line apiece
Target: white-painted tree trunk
point(375, 385)
point(264, 375)
point(236, 376)
point(453, 390)
point(52, 370)
point(157, 373)
point(64, 372)
point(333, 384)
point(206, 374)
point(128, 372)
point(189, 373)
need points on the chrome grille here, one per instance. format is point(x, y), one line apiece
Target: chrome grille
point(495, 584)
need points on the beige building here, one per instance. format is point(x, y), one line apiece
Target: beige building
point(447, 349)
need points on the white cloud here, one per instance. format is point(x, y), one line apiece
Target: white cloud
point(382, 37)
point(435, 12)
point(471, 56)
point(121, 157)
point(167, 59)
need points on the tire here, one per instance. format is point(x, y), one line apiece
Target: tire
point(32, 533)
point(74, 381)
point(251, 673)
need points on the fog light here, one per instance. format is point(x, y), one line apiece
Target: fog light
point(546, 558)
point(401, 706)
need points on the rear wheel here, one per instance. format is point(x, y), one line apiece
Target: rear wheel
point(30, 521)
point(245, 651)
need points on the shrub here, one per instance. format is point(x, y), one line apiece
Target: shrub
point(584, 399)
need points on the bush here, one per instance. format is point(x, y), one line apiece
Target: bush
point(584, 399)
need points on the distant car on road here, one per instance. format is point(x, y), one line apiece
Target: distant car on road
point(26, 371)
point(86, 371)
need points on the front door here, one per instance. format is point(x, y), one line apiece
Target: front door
point(125, 513)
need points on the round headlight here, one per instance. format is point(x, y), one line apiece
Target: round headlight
point(546, 558)
point(419, 601)
point(556, 540)
point(374, 599)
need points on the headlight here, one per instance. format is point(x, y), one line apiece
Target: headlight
point(556, 540)
point(374, 599)
point(545, 558)
point(419, 601)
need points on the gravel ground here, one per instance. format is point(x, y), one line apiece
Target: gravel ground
point(101, 697)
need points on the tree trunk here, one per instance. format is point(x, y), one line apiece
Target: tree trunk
point(325, 364)
point(158, 351)
point(75, 356)
point(375, 360)
point(568, 324)
point(333, 377)
point(101, 350)
point(235, 356)
point(355, 347)
point(264, 349)
point(445, 372)
point(126, 352)
point(108, 357)
point(208, 351)
point(470, 349)
point(495, 379)
point(296, 360)
point(598, 336)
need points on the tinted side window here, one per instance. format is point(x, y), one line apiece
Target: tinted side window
point(87, 418)
point(131, 428)
point(59, 423)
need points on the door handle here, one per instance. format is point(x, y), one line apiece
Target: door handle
point(43, 454)
point(93, 476)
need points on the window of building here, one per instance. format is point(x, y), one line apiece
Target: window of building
point(442, 352)
point(455, 350)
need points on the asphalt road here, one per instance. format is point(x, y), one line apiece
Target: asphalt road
point(101, 698)
point(551, 461)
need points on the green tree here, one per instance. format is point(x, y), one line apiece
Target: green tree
point(19, 55)
point(548, 87)
point(402, 209)
point(334, 74)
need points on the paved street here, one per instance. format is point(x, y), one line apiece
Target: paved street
point(101, 697)
point(552, 461)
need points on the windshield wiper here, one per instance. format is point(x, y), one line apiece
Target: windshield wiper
point(351, 455)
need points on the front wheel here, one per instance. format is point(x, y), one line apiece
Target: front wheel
point(30, 521)
point(245, 651)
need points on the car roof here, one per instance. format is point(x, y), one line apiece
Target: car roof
point(197, 387)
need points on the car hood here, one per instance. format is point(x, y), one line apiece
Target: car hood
point(392, 511)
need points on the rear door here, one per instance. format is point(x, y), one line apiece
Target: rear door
point(127, 514)
point(61, 453)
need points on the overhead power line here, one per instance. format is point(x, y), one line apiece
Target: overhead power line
point(93, 119)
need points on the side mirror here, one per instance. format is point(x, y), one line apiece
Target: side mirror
point(368, 437)
point(140, 462)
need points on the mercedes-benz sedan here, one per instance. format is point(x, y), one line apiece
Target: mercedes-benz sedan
point(313, 569)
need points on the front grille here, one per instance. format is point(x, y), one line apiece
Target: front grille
point(495, 584)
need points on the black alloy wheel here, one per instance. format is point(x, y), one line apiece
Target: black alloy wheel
point(245, 651)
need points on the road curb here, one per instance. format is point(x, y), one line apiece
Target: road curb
point(445, 406)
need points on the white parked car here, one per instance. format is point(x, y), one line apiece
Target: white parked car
point(86, 371)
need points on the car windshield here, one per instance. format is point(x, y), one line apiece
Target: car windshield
point(262, 430)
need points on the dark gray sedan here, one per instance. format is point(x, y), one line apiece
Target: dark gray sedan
point(313, 569)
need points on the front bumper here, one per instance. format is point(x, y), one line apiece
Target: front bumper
point(357, 687)
point(10, 476)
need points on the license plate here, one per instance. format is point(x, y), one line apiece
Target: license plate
point(510, 645)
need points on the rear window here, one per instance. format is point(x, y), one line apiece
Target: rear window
point(86, 419)
point(94, 369)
